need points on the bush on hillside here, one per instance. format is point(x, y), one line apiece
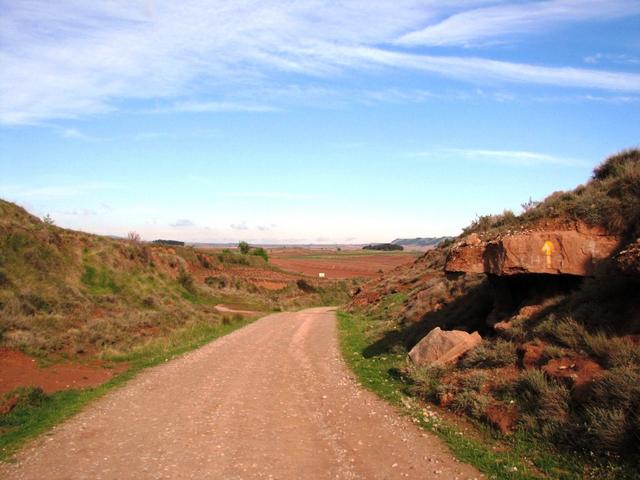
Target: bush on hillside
point(244, 247)
point(260, 252)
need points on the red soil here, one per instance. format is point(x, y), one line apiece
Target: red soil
point(338, 265)
point(20, 370)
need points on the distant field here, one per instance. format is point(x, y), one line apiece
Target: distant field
point(338, 264)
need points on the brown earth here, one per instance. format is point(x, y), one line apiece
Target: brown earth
point(20, 370)
point(272, 400)
point(337, 265)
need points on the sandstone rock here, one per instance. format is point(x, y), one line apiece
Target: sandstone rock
point(439, 346)
point(466, 256)
point(572, 252)
point(529, 311)
point(503, 326)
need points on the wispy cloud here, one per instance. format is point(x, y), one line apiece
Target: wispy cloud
point(497, 23)
point(84, 212)
point(621, 58)
point(74, 133)
point(506, 157)
point(221, 107)
point(52, 191)
point(239, 226)
point(70, 59)
point(182, 223)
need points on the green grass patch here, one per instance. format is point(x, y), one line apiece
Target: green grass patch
point(37, 413)
point(99, 281)
point(519, 457)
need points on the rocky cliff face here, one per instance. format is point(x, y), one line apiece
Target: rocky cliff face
point(571, 251)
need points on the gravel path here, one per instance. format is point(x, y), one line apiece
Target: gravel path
point(273, 400)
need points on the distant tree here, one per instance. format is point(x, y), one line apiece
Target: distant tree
point(385, 247)
point(244, 247)
point(176, 243)
point(134, 237)
point(48, 220)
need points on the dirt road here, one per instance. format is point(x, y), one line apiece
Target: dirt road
point(273, 400)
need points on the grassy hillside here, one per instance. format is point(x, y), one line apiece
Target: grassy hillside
point(68, 294)
point(565, 368)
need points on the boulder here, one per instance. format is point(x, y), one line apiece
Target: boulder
point(439, 346)
point(570, 252)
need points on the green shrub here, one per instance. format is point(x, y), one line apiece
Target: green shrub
point(186, 280)
point(546, 402)
point(426, 381)
point(609, 351)
point(470, 402)
point(260, 252)
point(498, 353)
point(227, 256)
point(606, 428)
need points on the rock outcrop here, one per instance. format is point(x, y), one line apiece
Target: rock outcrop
point(439, 346)
point(573, 251)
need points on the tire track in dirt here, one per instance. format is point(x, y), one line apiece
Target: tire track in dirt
point(273, 400)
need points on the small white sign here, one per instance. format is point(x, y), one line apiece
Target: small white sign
point(321, 275)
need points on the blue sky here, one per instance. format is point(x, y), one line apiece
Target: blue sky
point(312, 121)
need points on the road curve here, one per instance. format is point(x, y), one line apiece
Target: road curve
point(273, 400)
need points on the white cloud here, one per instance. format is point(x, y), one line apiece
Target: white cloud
point(221, 107)
point(505, 157)
point(495, 23)
point(69, 59)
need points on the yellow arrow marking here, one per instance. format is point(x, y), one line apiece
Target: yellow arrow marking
point(547, 249)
